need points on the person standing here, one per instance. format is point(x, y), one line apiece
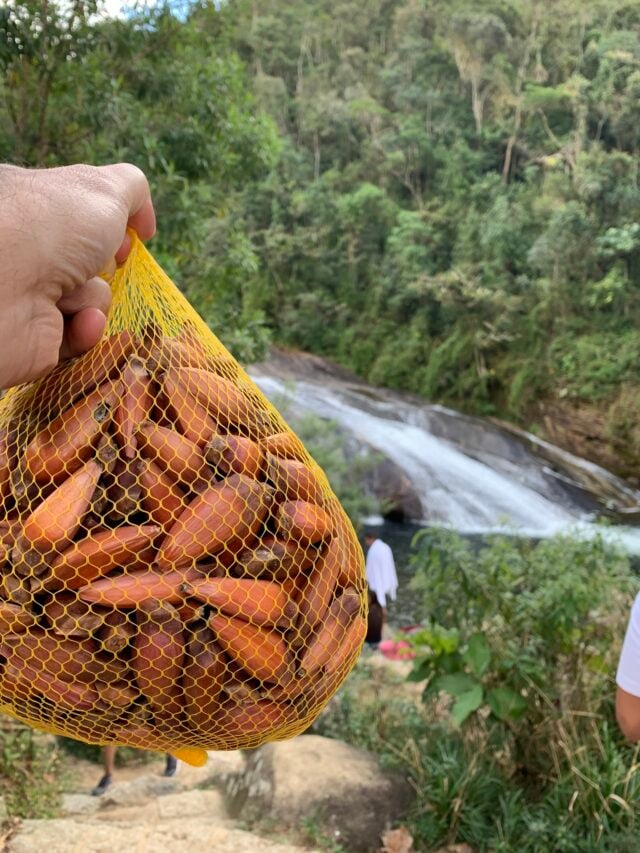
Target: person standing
point(375, 618)
point(380, 570)
point(628, 678)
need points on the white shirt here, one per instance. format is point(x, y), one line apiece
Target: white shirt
point(381, 572)
point(628, 675)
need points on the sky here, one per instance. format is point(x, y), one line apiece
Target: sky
point(113, 8)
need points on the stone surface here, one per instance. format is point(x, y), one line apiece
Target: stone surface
point(312, 778)
point(607, 435)
point(186, 804)
point(138, 791)
point(219, 765)
point(394, 491)
point(177, 835)
point(144, 787)
point(76, 804)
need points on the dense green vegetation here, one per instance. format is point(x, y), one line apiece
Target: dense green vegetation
point(171, 97)
point(454, 207)
point(514, 746)
point(442, 195)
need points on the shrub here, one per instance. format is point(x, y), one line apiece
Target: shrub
point(32, 771)
point(515, 745)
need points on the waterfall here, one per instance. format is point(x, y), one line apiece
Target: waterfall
point(468, 473)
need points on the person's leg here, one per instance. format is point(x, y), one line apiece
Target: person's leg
point(171, 767)
point(108, 759)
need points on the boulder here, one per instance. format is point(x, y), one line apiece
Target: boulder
point(135, 792)
point(337, 787)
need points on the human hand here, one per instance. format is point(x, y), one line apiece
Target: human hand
point(59, 228)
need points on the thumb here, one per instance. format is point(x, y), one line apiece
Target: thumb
point(131, 184)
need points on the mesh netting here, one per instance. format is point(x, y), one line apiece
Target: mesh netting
point(177, 573)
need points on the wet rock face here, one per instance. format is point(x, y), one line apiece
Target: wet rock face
point(313, 778)
point(609, 436)
point(394, 491)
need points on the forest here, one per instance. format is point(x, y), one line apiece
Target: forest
point(442, 196)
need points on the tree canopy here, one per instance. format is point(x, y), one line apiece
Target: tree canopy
point(441, 195)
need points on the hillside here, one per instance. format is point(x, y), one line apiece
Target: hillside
point(454, 209)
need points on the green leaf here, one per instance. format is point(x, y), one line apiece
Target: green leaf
point(450, 663)
point(506, 704)
point(478, 654)
point(457, 684)
point(597, 663)
point(466, 704)
point(440, 640)
point(448, 640)
point(422, 668)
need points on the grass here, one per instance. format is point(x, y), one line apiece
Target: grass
point(313, 832)
point(470, 786)
point(33, 771)
point(559, 776)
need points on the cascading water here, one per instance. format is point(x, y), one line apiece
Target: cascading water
point(468, 473)
point(454, 488)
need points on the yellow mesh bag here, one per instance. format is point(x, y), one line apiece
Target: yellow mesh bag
point(177, 573)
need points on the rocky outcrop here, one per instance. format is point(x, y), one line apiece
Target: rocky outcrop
point(312, 778)
point(607, 433)
point(279, 791)
point(179, 835)
point(150, 814)
point(612, 495)
point(394, 491)
point(426, 453)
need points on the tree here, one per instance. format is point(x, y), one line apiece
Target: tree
point(42, 45)
point(477, 41)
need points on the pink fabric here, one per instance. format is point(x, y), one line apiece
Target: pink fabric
point(396, 650)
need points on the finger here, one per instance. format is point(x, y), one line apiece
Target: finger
point(123, 252)
point(109, 269)
point(125, 247)
point(134, 187)
point(143, 221)
point(82, 331)
point(94, 293)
